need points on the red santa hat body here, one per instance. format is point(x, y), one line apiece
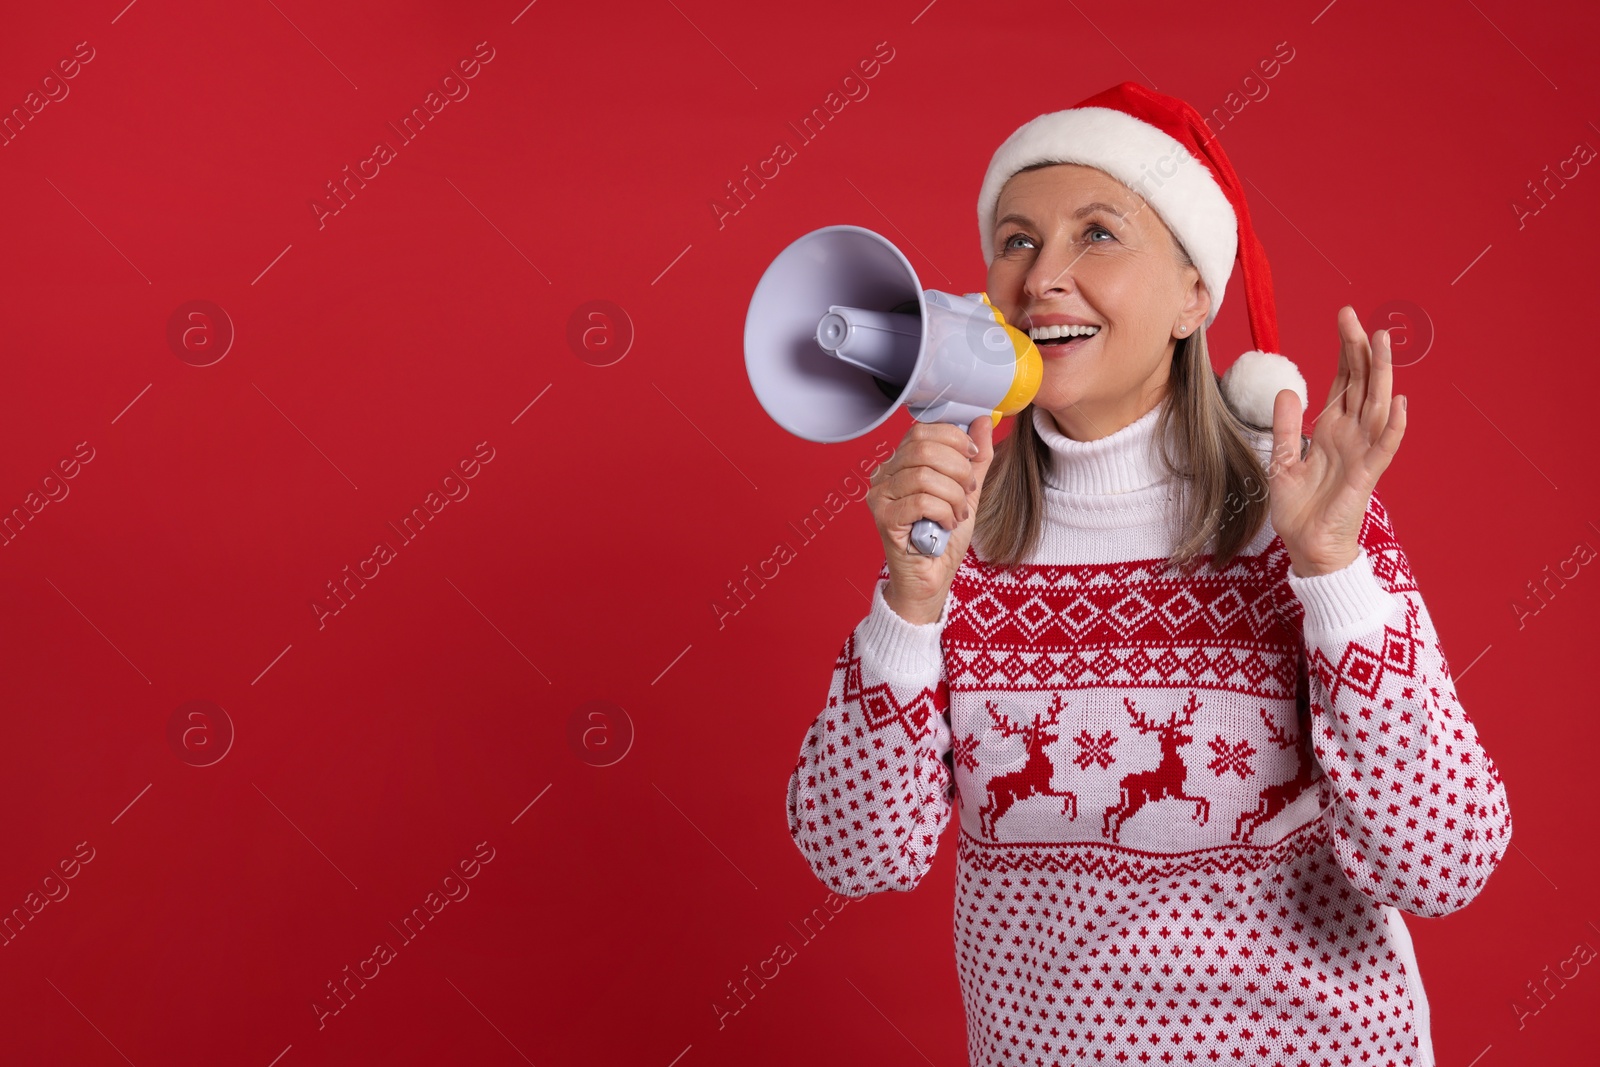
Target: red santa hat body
point(1159, 147)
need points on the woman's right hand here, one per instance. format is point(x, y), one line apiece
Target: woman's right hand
point(937, 473)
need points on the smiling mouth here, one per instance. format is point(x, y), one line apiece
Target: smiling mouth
point(1059, 340)
point(1061, 346)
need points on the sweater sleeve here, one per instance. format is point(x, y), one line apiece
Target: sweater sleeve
point(1420, 818)
point(871, 791)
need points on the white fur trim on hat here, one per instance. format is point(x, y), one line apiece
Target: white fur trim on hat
point(1140, 156)
point(1252, 383)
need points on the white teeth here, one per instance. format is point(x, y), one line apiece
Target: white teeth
point(1045, 333)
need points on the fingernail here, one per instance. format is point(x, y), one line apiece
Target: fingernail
point(972, 447)
point(1402, 403)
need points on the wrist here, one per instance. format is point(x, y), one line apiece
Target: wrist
point(916, 612)
point(1312, 565)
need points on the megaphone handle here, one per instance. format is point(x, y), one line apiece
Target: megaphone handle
point(927, 537)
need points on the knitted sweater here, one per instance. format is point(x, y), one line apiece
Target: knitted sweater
point(1189, 807)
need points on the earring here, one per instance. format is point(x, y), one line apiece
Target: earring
point(1183, 329)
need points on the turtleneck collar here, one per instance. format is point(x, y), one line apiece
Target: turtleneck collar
point(1120, 462)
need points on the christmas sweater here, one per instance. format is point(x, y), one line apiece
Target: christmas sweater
point(1191, 809)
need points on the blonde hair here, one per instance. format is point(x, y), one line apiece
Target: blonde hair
point(1216, 464)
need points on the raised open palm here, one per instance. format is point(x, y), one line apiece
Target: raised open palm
point(1319, 499)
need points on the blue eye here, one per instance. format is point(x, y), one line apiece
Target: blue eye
point(1007, 245)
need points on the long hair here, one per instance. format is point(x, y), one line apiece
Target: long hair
point(1204, 444)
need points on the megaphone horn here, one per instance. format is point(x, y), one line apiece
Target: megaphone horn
point(840, 333)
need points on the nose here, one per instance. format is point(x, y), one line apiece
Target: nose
point(1052, 272)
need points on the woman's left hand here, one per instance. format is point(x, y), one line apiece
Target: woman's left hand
point(1318, 501)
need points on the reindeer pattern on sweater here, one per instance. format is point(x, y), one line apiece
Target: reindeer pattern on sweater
point(1190, 808)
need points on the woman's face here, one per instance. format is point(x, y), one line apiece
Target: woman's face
point(1073, 243)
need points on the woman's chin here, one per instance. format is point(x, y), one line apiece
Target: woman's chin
point(1063, 383)
point(1058, 399)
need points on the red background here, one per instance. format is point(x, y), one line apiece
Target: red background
point(375, 352)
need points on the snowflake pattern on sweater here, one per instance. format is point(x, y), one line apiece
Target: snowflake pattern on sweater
point(1190, 808)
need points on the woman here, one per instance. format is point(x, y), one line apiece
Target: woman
point(1205, 740)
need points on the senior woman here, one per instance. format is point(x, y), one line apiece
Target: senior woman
point(1173, 662)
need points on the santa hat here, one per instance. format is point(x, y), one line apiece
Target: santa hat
point(1159, 147)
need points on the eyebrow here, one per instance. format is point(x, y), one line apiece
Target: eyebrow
point(1087, 209)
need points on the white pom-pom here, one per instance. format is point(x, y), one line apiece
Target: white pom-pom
point(1252, 383)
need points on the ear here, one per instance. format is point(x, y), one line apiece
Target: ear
point(1196, 303)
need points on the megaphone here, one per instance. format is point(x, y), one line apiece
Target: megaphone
point(840, 333)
